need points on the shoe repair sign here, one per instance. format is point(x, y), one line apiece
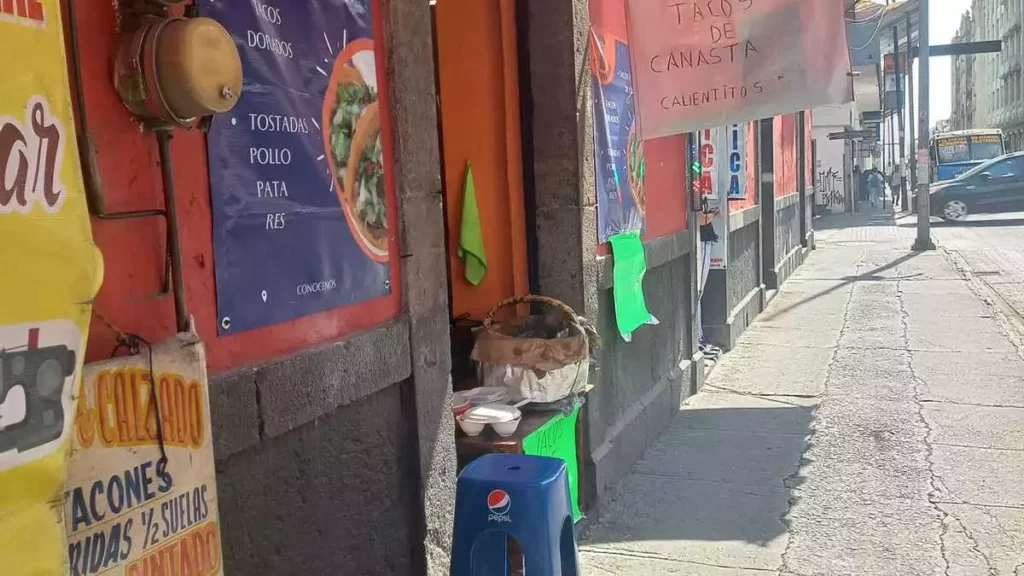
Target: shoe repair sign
point(705, 63)
point(141, 492)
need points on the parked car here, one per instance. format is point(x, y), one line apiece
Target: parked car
point(991, 187)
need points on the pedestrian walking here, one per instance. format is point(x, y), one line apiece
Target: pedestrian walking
point(896, 182)
point(859, 180)
point(876, 187)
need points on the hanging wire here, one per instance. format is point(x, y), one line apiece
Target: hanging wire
point(881, 13)
point(878, 14)
point(133, 344)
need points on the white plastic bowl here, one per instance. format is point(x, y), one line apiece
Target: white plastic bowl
point(471, 428)
point(491, 413)
point(505, 429)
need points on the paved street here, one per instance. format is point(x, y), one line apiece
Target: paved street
point(870, 422)
point(991, 250)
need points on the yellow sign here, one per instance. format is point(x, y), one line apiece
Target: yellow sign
point(142, 494)
point(51, 272)
point(987, 138)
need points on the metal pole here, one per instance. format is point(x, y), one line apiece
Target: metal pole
point(912, 176)
point(881, 129)
point(899, 111)
point(892, 140)
point(163, 139)
point(908, 173)
point(801, 172)
point(924, 224)
point(816, 185)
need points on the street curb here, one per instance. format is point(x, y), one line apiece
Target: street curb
point(1005, 314)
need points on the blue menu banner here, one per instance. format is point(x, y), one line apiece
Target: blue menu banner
point(619, 157)
point(300, 220)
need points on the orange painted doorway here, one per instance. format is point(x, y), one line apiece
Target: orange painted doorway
point(478, 85)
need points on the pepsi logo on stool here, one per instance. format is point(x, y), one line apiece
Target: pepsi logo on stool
point(499, 503)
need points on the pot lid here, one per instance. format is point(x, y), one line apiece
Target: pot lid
point(198, 67)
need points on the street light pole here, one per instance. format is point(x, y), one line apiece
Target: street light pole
point(911, 178)
point(892, 142)
point(883, 137)
point(901, 69)
point(924, 240)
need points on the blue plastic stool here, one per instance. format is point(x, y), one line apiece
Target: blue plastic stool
point(526, 497)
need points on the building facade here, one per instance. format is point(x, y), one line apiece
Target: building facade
point(983, 64)
point(962, 114)
point(988, 89)
point(834, 159)
point(1009, 104)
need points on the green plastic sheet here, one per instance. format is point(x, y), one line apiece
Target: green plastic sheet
point(629, 267)
point(557, 439)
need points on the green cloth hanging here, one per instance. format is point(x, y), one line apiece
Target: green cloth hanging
point(471, 236)
point(629, 265)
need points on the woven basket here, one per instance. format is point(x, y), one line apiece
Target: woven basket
point(542, 358)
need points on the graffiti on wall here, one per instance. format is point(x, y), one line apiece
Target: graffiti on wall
point(830, 188)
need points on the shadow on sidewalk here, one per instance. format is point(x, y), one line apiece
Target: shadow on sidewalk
point(869, 276)
point(866, 216)
point(717, 474)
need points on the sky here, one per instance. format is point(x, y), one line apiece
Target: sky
point(943, 22)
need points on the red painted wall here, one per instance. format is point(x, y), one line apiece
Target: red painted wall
point(133, 250)
point(477, 82)
point(808, 144)
point(750, 167)
point(666, 186)
point(785, 159)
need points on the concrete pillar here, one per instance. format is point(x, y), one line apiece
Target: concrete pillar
point(559, 126)
point(766, 198)
point(559, 154)
point(425, 403)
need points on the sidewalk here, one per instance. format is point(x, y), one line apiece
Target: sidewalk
point(870, 422)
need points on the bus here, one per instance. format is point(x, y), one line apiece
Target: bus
point(953, 153)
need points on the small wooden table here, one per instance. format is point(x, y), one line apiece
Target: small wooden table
point(468, 448)
point(488, 442)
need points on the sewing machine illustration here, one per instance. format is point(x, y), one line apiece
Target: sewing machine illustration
point(32, 381)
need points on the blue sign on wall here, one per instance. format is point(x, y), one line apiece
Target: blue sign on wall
point(737, 149)
point(296, 168)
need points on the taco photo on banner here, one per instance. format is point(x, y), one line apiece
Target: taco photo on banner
point(352, 141)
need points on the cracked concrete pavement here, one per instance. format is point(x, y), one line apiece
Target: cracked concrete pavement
point(871, 421)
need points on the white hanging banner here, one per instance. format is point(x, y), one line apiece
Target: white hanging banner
point(734, 179)
point(722, 159)
point(705, 63)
